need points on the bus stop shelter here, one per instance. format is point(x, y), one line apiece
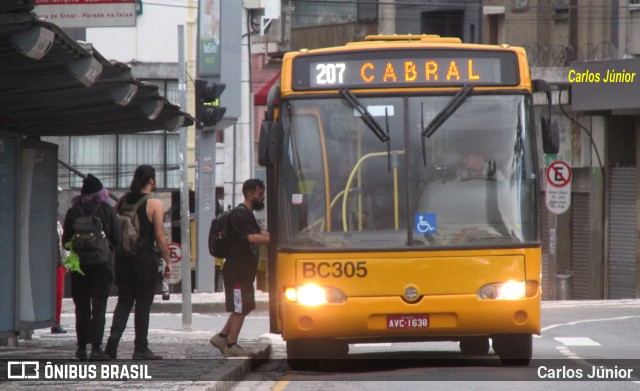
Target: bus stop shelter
point(52, 85)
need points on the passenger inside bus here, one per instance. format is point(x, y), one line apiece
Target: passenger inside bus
point(475, 166)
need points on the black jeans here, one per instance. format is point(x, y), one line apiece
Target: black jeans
point(90, 293)
point(136, 286)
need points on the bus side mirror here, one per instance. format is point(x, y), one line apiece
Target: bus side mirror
point(539, 85)
point(550, 135)
point(269, 143)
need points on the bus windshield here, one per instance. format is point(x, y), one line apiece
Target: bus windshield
point(473, 184)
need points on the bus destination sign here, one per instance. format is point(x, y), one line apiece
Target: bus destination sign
point(404, 68)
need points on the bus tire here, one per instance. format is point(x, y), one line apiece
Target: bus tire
point(513, 349)
point(474, 346)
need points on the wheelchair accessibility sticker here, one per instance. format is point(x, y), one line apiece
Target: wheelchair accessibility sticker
point(424, 223)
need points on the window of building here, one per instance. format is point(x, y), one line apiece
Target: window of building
point(367, 11)
point(520, 5)
point(114, 158)
point(318, 13)
point(561, 10)
point(445, 23)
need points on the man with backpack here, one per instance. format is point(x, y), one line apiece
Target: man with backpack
point(241, 266)
point(136, 261)
point(90, 229)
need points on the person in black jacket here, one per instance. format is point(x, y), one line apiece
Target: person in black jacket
point(136, 275)
point(91, 290)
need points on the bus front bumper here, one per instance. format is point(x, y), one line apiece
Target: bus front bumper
point(431, 318)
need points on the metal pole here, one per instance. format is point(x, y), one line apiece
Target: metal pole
point(235, 162)
point(185, 225)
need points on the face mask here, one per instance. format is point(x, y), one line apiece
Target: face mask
point(257, 205)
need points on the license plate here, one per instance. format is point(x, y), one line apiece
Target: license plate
point(414, 321)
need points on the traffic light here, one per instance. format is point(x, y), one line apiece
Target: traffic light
point(208, 109)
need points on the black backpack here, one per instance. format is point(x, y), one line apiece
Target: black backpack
point(219, 242)
point(89, 240)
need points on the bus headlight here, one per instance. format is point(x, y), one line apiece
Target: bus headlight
point(313, 295)
point(510, 290)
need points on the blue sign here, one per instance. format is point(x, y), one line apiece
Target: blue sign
point(424, 223)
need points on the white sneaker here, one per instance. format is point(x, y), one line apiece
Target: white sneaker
point(219, 342)
point(236, 351)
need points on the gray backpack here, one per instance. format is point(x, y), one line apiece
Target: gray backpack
point(129, 223)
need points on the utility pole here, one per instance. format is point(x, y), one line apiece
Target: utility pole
point(238, 139)
point(228, 17)
point(185, 224)
point(387, 12)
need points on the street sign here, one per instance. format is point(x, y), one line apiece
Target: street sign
point(175, 256)
point(559, 174)
point(558, 195)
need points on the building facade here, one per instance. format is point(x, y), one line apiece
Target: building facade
point(594, 245)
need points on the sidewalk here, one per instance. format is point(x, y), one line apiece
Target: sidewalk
point(190, 363)
point(201, 303)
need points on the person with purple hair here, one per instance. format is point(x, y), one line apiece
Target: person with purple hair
point(91, 290)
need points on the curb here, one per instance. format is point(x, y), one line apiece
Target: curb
point(237, 370)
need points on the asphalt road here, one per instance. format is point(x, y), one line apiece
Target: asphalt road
point(586, 345)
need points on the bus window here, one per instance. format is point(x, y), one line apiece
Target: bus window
point(480, 177)
point(340, 185)
point(345, 188)
point(305, 167)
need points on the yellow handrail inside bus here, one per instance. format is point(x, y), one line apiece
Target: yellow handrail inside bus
point(322, 220)
point(355, 169)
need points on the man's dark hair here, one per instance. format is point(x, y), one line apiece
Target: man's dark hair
point(141, 177)
point(251, 185)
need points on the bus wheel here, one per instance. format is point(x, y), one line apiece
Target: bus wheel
point(307, 354)
point(513, 349)
point(475, 346)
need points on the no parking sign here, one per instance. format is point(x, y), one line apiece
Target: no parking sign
point(175, 257)
point(558, 195)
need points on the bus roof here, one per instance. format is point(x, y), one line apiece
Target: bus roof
point(411, 37)
point(406, 40)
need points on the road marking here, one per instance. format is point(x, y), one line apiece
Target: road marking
point(282, 384)
point(577, 341)
point(370, 345)
point(553, 326)
point(570, 355)
point(634, 303)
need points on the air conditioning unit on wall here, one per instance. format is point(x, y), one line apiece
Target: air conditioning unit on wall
point(271, 8)
point(253, 4)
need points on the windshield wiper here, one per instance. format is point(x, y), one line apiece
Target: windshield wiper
point(367, 118)
point(444, 114)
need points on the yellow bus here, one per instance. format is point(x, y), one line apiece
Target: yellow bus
point(402, 191)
